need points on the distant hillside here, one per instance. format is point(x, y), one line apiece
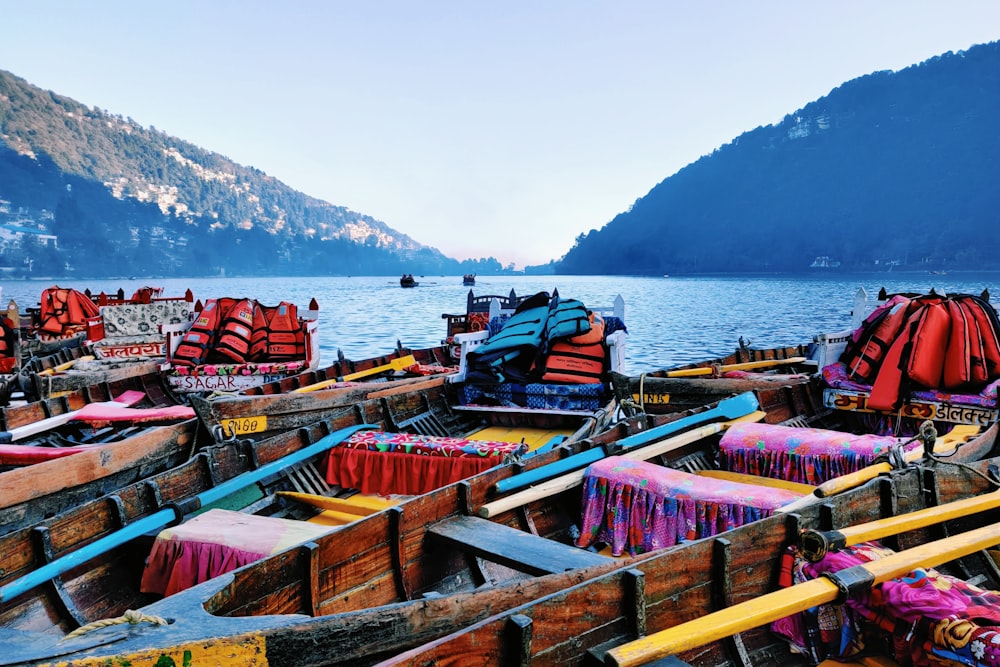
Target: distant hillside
point(888, 170)
point(123, 199)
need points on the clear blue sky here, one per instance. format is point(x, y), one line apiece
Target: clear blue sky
point(499, 129)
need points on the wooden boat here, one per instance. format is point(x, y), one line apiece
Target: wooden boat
point(228, 374)
point(638, 613)
point(469, 279)
point(399, 578)
point(746, 369)
point(408, 281)
point(311, 396)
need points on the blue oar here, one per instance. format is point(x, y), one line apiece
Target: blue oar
point(166, 516)
point(729, 408)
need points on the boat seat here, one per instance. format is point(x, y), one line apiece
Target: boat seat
point(511, 547)
point(638, 507)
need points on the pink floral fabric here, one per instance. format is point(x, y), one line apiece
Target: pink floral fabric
point(805, 455)
point(925, 618)
point(638, 507)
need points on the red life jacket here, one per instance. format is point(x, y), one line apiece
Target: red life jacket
point(196, 343)
point(925, 364)
point(864, 354)
point(989, 333)
point(577, 359)
point(258, 339)
point(236, 332)
point(7, 359)
point(285, 337)
point(958, 359)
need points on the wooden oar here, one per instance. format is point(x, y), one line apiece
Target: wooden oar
point(165, 517)
point(21, 432)
point(573, 479)
point(794, 599)
point(814, 544)
point(394, 365)
point(944, 445)
point(730, 408)
point(744, 366)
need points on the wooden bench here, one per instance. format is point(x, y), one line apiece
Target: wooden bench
point(511, 547)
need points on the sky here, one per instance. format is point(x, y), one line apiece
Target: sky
point(483, 129)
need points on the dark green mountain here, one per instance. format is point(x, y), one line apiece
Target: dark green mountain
point(126, 200)
point(891, 169)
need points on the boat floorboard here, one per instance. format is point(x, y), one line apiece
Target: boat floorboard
point(511, 547)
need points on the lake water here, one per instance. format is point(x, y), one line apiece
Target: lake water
point(670, 321)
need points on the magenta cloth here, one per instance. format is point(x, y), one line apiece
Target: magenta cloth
point(217, 542)
point(410, 464)
point(795, 454)
point(923, 618)
point(638, 507)
point(836, 377)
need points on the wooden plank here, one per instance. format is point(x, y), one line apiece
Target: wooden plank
point(511, 547)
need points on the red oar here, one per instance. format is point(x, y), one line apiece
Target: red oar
point(21, 432)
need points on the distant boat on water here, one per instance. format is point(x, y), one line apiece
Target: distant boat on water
point(469, 279)
point(408, 281)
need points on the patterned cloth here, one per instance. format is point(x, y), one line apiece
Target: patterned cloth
point(639, 506)
point(429, 445)
point(410, 464)
point(138, 319)
point(537, 396)
point(923, 618)
point(805, 455)
point(266, 368)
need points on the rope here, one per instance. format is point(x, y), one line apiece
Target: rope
point(132, 617)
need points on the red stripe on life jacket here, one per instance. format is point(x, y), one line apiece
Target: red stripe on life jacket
point(236, 332)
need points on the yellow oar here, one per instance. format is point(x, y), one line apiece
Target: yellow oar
point(948, 443)
point(773, 606)
point(394, 365)
point(575, 478)
point(744, 366)
point(814, 544)
point(66, 366)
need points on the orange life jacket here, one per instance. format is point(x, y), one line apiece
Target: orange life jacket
point(62, 309)
point(258, 339)
point(285, 337)
point(197, 341)
point(236, 332)
point(864, 356)
point(577, 359)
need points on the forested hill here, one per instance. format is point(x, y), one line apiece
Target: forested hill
point(888, 170)
point(122, 199)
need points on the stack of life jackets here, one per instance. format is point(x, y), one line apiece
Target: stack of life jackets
point(935, 342)
point(229, 330)
point(8, 360)
point(546, 339)
point(64, 311)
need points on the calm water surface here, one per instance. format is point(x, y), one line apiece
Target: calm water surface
point(670, 320)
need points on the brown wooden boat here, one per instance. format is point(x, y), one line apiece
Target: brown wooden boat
point(660, 610)
point(398, 578)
